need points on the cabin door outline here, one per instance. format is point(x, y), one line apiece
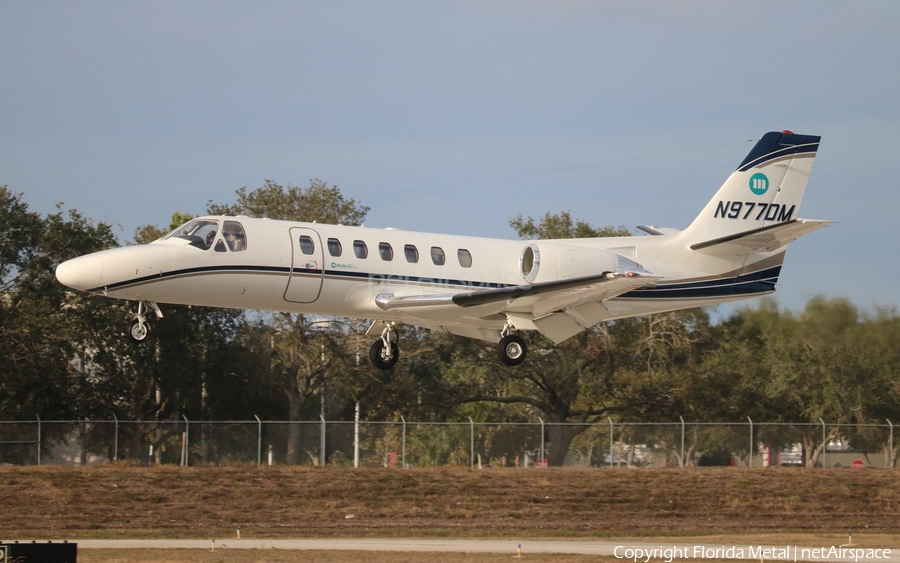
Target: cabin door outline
point(307, 270)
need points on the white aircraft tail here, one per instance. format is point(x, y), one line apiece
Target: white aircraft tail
point(762, 194)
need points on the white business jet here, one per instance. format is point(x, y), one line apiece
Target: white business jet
point(488, 289)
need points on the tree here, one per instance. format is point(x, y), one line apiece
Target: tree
point(316, 204)
point(194, 365)
point(297, 353)
point(562, 226)
point(623, 368)
point(19, 238)
point(825, 364)
point(41, 323)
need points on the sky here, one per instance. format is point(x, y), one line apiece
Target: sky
point(458, 116)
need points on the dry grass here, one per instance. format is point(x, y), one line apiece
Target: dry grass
point(118, 501)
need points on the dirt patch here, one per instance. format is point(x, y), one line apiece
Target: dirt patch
point(127, 501)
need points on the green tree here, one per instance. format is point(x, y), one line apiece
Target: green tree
point(42, 325)
point(825, 364)
point(318, 203)
point(297, 354)
point(624, 368)
point(562, 226)
point(195, 365)
point(19, 238)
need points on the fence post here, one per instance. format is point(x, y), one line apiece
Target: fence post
point(682, 441)
point(611, 442)
point(258, 441)
point(321, 440)
point(541, 459)
point(187, 440)
point(890, 456)
point(116, 440)
point(321, 416)
point(750, 462)
point(471, 443)
point(39, 441)
point(403, 450)
point(356, 436)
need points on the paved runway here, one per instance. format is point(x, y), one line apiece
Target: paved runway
point(628, 551)
point(369, 544)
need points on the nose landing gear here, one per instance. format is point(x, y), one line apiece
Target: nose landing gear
point(138, 330)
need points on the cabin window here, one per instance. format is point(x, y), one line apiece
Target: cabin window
point(220, 246)
point(386, 252)
point(437, 255)
point(307, 246)
point(334, 247)
point(234, 236)
point(412, 253)
point(465, 258)
point(360, 249)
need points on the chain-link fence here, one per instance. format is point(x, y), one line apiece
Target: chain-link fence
point(430, 444)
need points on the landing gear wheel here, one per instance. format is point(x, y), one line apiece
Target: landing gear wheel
point(512, 350)
point(380, 358)
point(138, 331)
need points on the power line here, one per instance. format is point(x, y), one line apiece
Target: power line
point(555, 170)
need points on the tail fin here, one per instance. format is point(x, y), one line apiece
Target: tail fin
point(765, 190)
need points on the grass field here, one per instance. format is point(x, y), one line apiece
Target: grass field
point(115, 501)
point(727, 505)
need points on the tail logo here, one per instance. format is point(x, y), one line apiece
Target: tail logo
point(759, 183)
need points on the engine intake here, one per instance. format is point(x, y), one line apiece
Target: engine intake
point(530, 262)
point(541, 262)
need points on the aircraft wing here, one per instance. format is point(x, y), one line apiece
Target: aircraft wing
point(558, 309)
point(764, 239)
point(562, 293)
point(567, 296)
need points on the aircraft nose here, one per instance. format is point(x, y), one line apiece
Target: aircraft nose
point(81, 273)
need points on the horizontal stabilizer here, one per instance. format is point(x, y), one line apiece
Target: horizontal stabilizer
point(764, 239)
point(656, 231)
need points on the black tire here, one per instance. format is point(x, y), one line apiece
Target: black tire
point(377, 355)
point(512, 350)
point(138, 331)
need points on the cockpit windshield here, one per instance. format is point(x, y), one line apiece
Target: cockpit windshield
point(200, 232)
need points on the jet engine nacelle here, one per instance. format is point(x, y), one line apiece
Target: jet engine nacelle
point(541, 262)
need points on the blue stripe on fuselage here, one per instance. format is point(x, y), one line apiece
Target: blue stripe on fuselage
point(762, 281)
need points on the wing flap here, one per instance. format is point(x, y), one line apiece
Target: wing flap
point(558, 327)
point(573, 297)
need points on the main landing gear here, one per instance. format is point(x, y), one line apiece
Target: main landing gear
point(512, 349)
point(384, 352)
point(138, 330)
